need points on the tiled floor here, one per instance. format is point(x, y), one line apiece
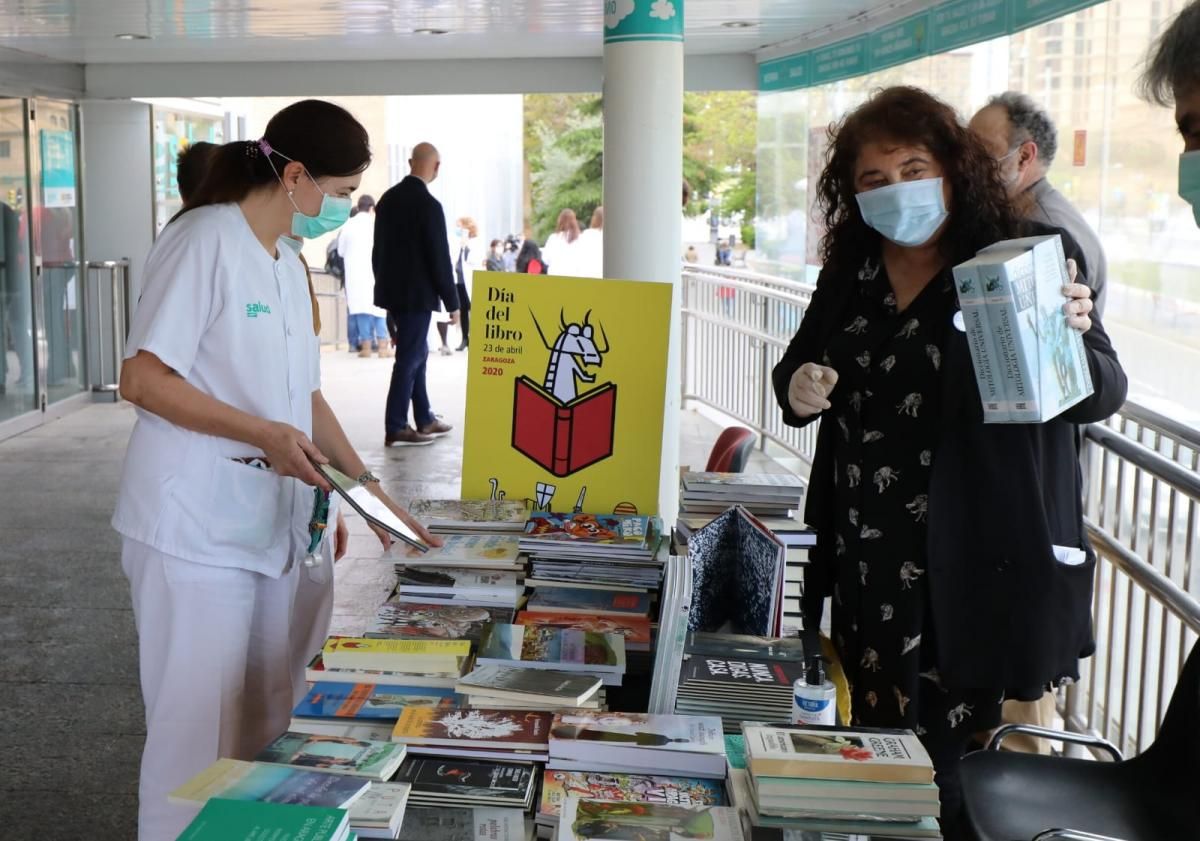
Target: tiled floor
point(72, 715)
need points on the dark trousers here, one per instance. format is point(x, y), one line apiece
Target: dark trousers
point(408, 373)
point(464, 313)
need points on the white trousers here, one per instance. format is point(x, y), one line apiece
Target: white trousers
point(221, 654)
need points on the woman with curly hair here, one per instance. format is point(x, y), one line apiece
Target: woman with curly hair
point(936, 532)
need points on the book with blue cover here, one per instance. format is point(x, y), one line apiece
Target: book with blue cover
point(1044, 360)
point(235, 779)
point(369, 701)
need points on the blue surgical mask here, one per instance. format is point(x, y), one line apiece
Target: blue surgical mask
point(292, 245)
point(1189, 181)
point(908, 213)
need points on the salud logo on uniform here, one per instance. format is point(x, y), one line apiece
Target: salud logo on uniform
point(253, 310)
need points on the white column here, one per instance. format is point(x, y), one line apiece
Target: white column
point(643, 177)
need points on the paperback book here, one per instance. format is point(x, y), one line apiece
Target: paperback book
point(248, 820)
point(461, 782)
point(422, 620)
point(637, 742)
point(547, 647)
point(620, 530)
point(380, 811)
point(470, 515)
point(472, 550)
point(422, 823)
point(396, 655)
point(589, 602)
point(234, 779)
point(557, 786)
point(316, 672)
point(525, 730)
point(538, 685)
point(870, 755)
point(334, 754)
point(634, 629)
point(368, 701)
point(593, 820)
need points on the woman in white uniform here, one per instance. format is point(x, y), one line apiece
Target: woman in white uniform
point(217, 492)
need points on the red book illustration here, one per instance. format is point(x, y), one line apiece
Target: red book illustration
point(563, 438)
point(553, 424)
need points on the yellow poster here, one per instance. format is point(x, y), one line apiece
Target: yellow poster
point(565, 392)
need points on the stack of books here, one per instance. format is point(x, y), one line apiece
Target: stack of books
point(826, 779)
point(318, 672)
point(762, 494)
point(334, 754)
point(440, 782)
point(637, 743)
point(507, 687)
point(738, 677)
point(428, 657)
point(424, 823)
point(558, 786)
point(522, 735)
point(560, 649)
point(635, 629)
point(458, 586)
point(598, 549)
point(470, 516)
point(380, 812)
point(583, 818)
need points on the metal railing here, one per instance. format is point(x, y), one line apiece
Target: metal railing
point(1141, 506)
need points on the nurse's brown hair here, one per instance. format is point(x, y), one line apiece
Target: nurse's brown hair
point(324, 137)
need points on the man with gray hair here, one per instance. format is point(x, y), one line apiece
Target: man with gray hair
point(1023, 140)
point(1172, 76)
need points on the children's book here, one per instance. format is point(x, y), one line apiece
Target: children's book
point(583, 819)
point(334, 754)
point(737, 570)
point(557, 786)
point(527, 730)
point(598, 529)
point(830, 753)
point(234, 779)
point(249, 820)
point(368, 701)
point(589, 602)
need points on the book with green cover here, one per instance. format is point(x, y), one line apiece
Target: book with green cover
point(249, 820)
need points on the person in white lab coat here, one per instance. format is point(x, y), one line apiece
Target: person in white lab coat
point(589, 247)
point(354, 244)
point(215, 500)
point(560, 252)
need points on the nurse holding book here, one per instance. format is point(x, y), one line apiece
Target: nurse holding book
point(217, 492)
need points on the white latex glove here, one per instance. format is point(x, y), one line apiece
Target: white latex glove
point(809, 390)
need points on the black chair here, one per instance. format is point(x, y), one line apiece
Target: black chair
point(1152, 797)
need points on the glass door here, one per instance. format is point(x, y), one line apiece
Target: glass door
point(55, 175)
point(18, 381)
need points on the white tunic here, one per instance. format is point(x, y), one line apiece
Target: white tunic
point(355, 243)
point(236, 324)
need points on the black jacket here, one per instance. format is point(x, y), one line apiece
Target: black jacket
point(411, 256)
point(1007, 614)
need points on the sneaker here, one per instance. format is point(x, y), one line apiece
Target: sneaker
point(444, 350)
point(435, 430)
point(364, 352)
point(407, 437)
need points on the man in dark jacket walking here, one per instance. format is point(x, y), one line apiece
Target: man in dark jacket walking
point(413, 278)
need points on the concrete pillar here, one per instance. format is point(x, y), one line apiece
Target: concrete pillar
point(643, 174)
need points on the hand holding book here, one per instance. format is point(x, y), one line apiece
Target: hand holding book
point(809, 390)
point(1079, 301)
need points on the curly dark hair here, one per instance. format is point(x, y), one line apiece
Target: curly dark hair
point(980, 212)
